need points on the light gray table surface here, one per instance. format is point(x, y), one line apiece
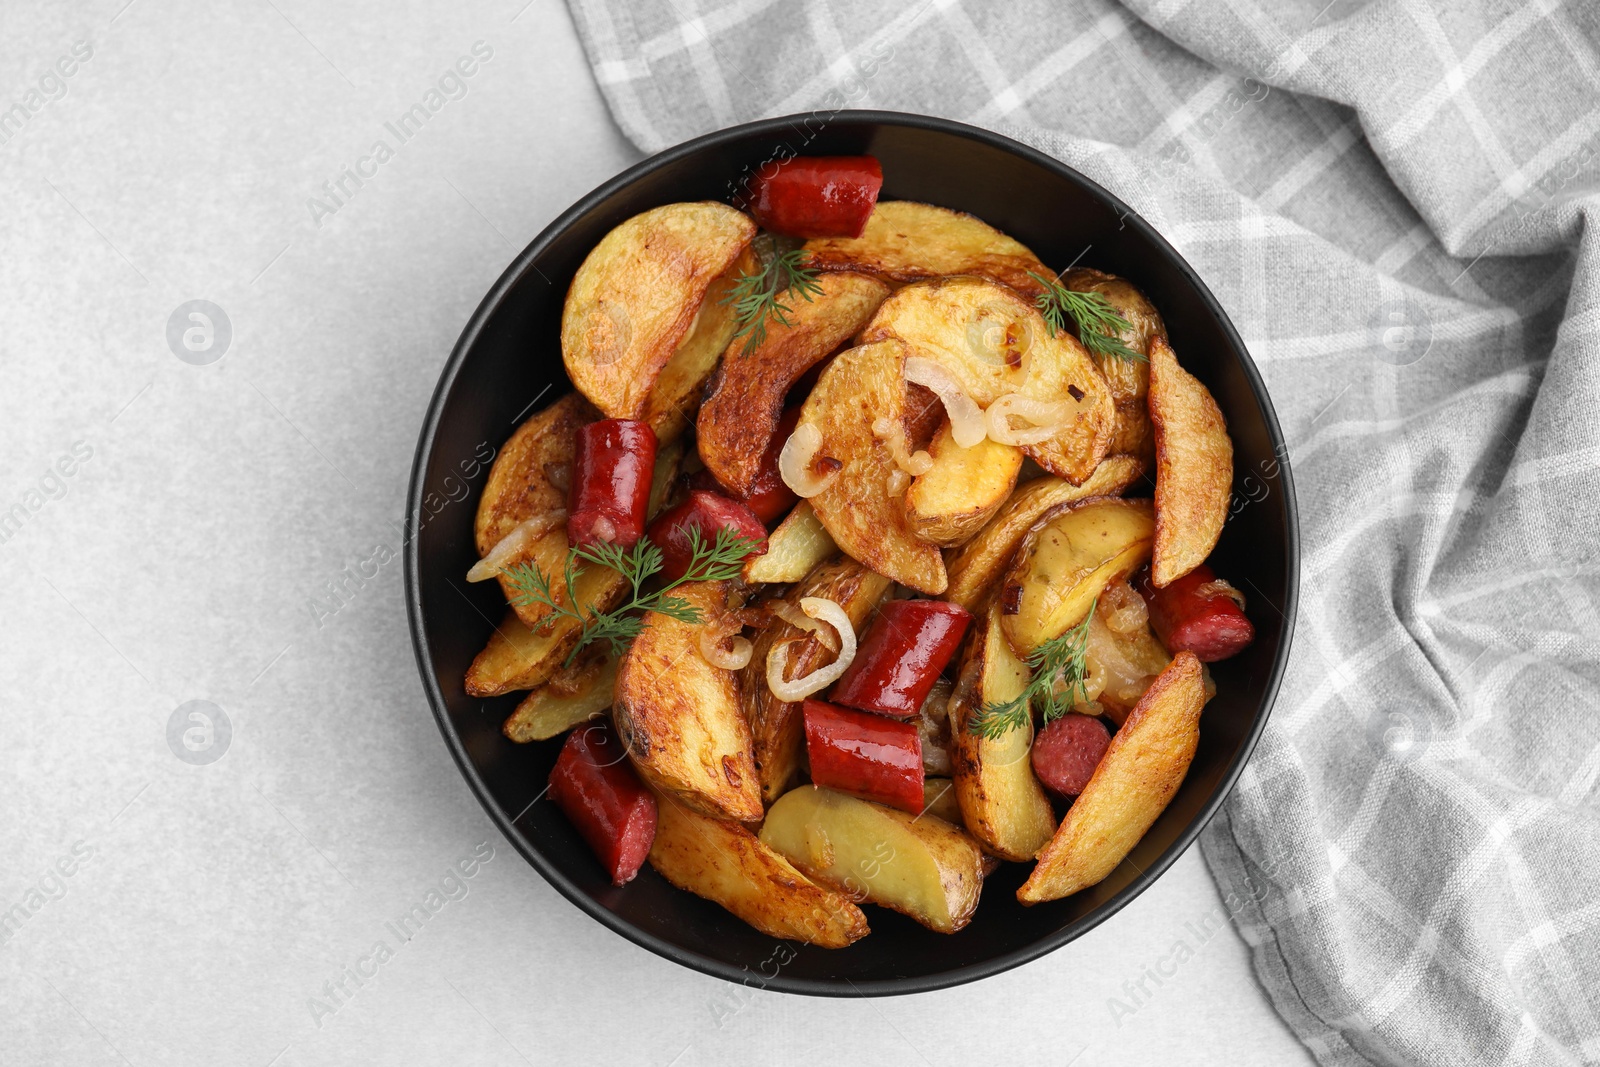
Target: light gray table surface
point(171, 529)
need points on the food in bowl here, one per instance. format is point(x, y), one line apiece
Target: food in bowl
point(839, 572)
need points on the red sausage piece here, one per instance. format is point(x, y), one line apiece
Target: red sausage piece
point(770, 497)
point(611, 475)
point(596, 788)
point(865, 755)
point(817, 196)
point(1067, 751)
point(901, 657)
point(1194, 615)
point(708, 513)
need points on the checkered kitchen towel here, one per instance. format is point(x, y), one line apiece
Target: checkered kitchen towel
point(1391, 201)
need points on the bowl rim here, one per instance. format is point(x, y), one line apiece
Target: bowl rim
point(718, 968)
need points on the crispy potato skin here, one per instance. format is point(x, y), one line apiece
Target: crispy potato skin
point(939, 800)
point(855, 390)
point(518, 657)
point(573, 694)
point(679, 716)
point(919, 865)
point(635, 298)
point(976, 566)
point(1131, 787)
point(1129, 379)
point(729, 865)
point(1194, 467)
point(905, 241)
point(670, 406)
point(799, 543)
point(964, 487)
point(1072, 553)
point(1002, 803)
point(519, 485)
point(745, 399)
point(777, 725)
point(992, 341)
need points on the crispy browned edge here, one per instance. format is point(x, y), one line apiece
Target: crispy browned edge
point(744, 399)
point(1194, 473)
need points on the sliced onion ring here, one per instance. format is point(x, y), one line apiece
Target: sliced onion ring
point(891, 433)
point(966, 417)
point(733, 658)
point(796, 461)
point(827, 611)
point(1213, 589)
point(792, 615)
point(1048, 419)
point(897, 481)
point(522, 537)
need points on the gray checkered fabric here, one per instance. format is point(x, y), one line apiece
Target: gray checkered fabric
point(1391, 201)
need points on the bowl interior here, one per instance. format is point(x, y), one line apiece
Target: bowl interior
point(508, 363)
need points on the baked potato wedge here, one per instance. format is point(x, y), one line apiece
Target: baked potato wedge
point(679, 716)
point(777, 726)
point(572, 695)
point(745, 399)
point(1194, 467)
point(797, 545)
point(670, 405)
point(977, 565)
point(534, 461)
point(1136, 779)
point(637, 295)
point(905, 240)
point(1129, 379)
point(859, 387)
point(1002, 803)
point(963, 488)
point(728, 865)
point(918, 865)
point(993, 342)
point(1069, 556)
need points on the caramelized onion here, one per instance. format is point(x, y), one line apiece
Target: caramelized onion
point(891, 433)
point(734, 658)
point(797, 460)
point(896, 483)
point(1047, 419)
point(792, 615)
point(1212, 590)
point(826, 611)
point(966, 417)
point(522, 537)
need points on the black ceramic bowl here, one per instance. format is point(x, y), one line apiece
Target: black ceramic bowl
point(508, 361)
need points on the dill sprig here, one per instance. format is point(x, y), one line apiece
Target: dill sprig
point(1098, 321)
point(760, 296)
point(717, 561)
point(1058, 668)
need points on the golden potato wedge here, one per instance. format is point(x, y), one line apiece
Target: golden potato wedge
point(1068, 557)
point(636, 297)
point(679, 716)
point(522, 657)
point(1194, 467)
point(1136, 779)
point(1002, 803)
point(673, 399)
point(728, 865)
point(859, 387)
point(939, 800)
point(1129, 379)
point(994, 342)
point(918, 865)
point(520, 483)
point(572, 695)
point(905, 240)
point(776, 725)
point(799, 543)
point(669, 464)
point(963, 488)
point(745, 400)
point(976, 566)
